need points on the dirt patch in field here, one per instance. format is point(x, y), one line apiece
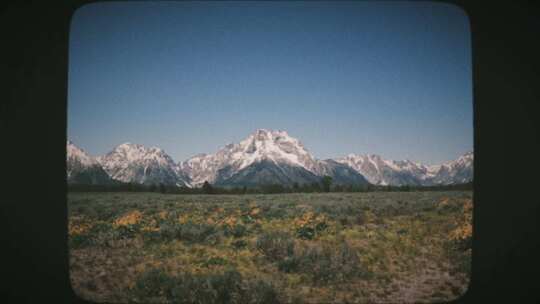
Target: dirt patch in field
point(429, 283)
point(104, 275)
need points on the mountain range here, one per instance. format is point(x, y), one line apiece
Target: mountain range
point(264, 157)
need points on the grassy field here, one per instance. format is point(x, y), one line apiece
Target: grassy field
point(371, 247)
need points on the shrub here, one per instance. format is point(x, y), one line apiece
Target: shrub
point(79, 241)
point(239, 244)
point(289, 264)
point(260, 292)
point(309, 225)
point(127, 231)
point(195, 233)
point(98, 235)
point(152, 283)
point(227, 287)
point(246, 218)
point(188, 288)
point(327, 263)
point(189, 232)
point(214, 261)
point(237, 230)
point(275, 213)
point(104, 214)
point(212, 288)
point(82, 209)
point(345, 220)
point(305, 232)
point(463, 264)
point(461, 236)
point(275, 245)
point(361, 219)
point(167, 231)
point(402, 231)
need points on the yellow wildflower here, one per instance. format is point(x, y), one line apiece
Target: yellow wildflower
point(309, 218)
point(130, 218)
point(467, 206)
point(231, 221)
point(78, 228)
point(444, 202)
point(182, 219)
point(464, 225)
point(151, 226)
point(461, 232)
point(255, 211)
point(162, 215)
point(321, 218)
point(150, 229)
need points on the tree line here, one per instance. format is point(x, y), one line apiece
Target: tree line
point(325, 185)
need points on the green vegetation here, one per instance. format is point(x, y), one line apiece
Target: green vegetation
point(325, 185)
point(327, 182)
point(226, 287)
point(270, 248)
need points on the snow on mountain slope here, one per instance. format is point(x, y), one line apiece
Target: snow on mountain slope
point(135, 163)
point(83, 168)
point(264, 156)
point(76, 154)
point(341, 174)
point(262, 145)
point(380, 171)
point(455, 171)
point(266, 172)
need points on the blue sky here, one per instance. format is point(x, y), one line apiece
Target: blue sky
point(389, 78)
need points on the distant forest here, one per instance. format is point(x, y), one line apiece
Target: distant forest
point(207, 188)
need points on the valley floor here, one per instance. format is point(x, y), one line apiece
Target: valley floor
point(375, 247)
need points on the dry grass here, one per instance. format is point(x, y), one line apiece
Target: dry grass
point(289, 248)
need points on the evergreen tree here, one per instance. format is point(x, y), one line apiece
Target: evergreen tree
point(327, 182)
point(161, 188)
point(207, 188)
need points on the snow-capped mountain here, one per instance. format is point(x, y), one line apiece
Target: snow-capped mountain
point(266, 156)
point(135, 163)
point(456, 171)
point(264, 172)
point(380, 171)
point(263, 145)
point(341, 174)
point(83, 168)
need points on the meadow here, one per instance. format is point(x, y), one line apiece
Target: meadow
point(372, 247)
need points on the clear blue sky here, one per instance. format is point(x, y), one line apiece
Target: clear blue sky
point(389, 78)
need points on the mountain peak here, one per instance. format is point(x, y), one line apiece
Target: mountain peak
point(262, 145)
point(268, 133)
point(77, 155)
point(262, 131)
point(83, 168)
point(128, 145)
point(468, 154)
point(406, 172)
point(264, 152)
point(130, 162)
